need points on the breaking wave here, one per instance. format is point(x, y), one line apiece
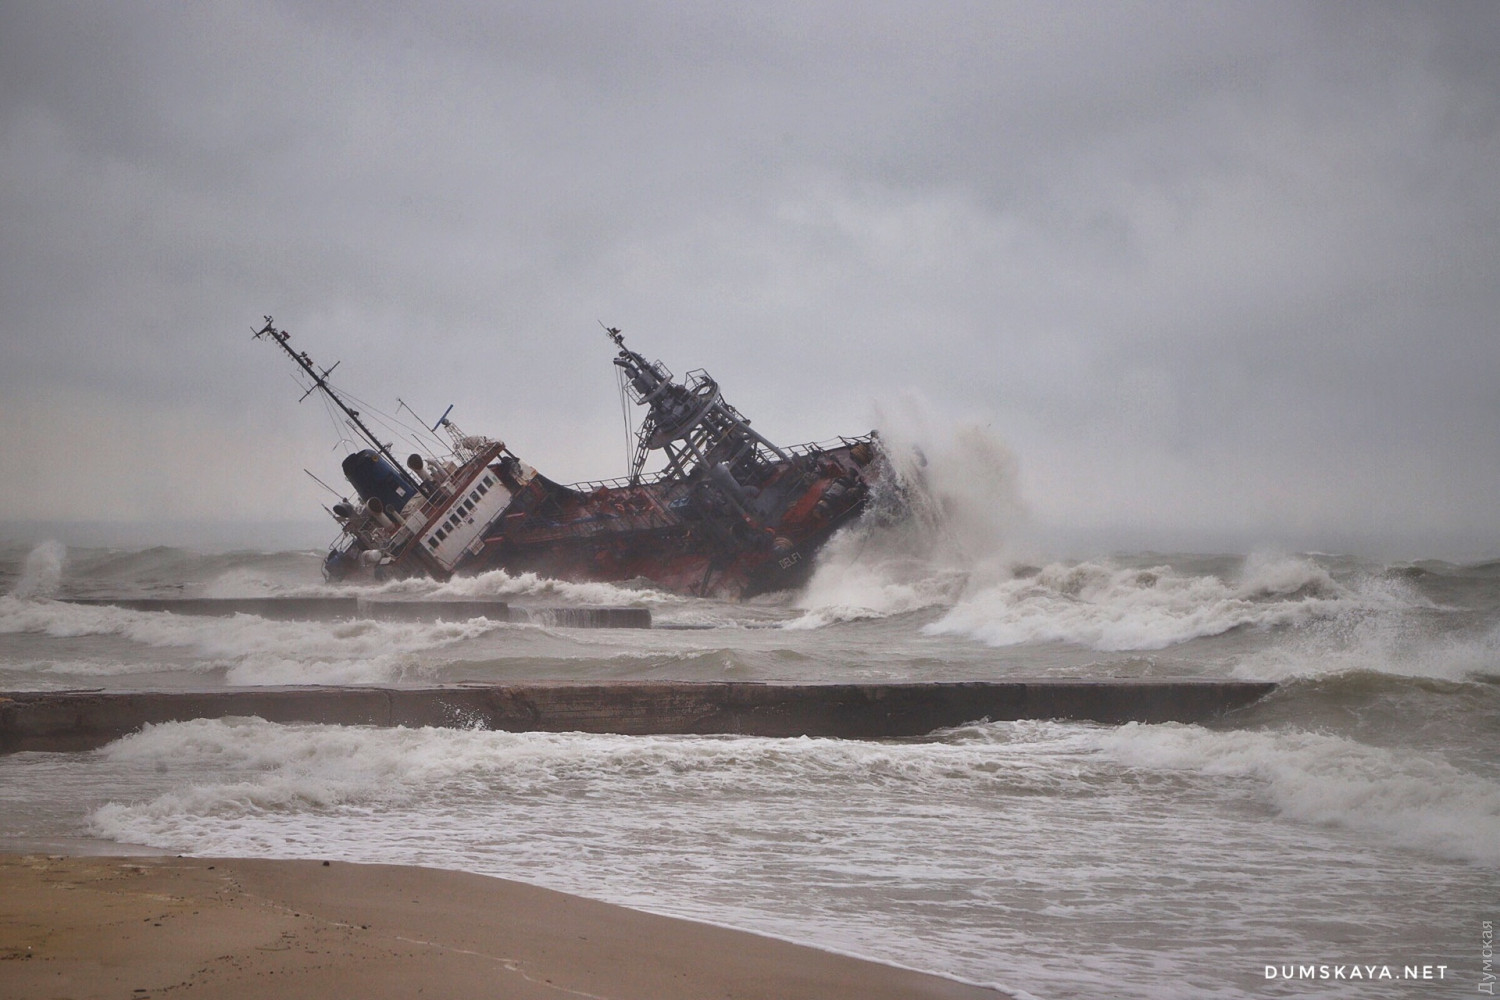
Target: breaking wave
point(251, 650)
point(501, 585)
point(1406, 645)
point(1106, 606)
point(995, 847)
point(937, 526)
point(946, 531)
point(1413, 801)
point(164, 571)
point(1408, 800)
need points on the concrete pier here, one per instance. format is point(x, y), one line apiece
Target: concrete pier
point(80, 720)
point(328, 608)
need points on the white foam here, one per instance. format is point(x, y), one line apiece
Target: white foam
point(290, 767)
point(1409, 799)
point(1108, 607)
point(73, 667)
point(255, 651)
point(501, 585)
point(261, 581)
point(1393, 644)
point(988, 854)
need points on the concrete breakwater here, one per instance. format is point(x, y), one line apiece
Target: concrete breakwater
point(80, 720)
point(325, 608)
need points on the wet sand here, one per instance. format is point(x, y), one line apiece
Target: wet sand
point(147, 927)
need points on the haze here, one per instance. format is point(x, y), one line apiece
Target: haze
point(1216, 275)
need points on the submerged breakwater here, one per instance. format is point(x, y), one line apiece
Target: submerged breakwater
point(325, 608)
point(85, 720)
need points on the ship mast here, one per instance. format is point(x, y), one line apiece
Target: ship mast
point(692, 422)
point(320, 381)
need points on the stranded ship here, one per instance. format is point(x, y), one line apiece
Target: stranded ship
point(730, 515)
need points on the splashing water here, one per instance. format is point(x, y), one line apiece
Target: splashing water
point(938, 527)
point(42, 574)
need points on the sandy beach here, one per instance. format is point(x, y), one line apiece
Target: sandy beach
point(144, 927)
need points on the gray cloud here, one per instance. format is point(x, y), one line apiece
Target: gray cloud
point(1216, 274)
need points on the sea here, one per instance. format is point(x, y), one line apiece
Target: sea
point(1339, 838)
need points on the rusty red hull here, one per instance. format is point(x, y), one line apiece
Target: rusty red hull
point(649, 533)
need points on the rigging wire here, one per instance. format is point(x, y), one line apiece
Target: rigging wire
point(397, 427)
point(341, 434)
point(392, 423)
point(625, 411)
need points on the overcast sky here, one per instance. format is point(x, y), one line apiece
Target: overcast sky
point(1216, 275)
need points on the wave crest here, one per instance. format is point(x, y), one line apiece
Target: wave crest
point(1109, 607)
point(1412, 800)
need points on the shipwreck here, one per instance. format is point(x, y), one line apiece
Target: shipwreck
point(730, 514)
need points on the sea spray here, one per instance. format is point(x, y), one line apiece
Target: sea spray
point(41, 576)
point(938, 526)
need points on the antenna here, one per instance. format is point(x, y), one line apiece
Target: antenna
point(320, 482)
point(320, 381)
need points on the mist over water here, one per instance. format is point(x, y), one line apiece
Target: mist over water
point(1352, 816)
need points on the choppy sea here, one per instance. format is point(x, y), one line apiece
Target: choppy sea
point(1351, 820)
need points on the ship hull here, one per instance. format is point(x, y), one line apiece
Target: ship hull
point(690, 537)
point(673, 537)
point(672, 559)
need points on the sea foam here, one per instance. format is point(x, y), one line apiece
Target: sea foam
point(1105, 606)
point(1408, 799)
point(253, 650)
point(987, 852)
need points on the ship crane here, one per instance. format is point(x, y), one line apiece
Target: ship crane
point(691, 422)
